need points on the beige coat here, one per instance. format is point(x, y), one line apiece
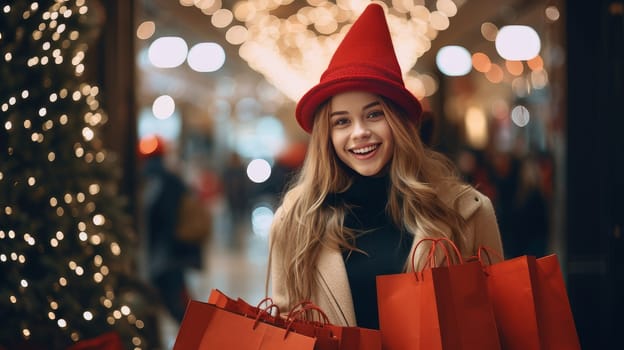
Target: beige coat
point(333, 294)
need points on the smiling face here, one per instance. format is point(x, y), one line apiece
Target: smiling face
point(360, 132)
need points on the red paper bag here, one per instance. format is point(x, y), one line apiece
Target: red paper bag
point(531, 304)
point(221, 300)
point(555, 318)
point(357, 338)
point(510, 286)
point(309, 319)
point(208, 327)
point(301, 318)
point(240, 306)
point(438, 308)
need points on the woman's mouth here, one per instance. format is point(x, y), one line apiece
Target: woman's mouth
point(364, 152)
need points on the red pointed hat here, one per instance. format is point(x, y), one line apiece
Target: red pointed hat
point(365, 61)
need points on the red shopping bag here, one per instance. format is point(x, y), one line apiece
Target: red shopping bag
point(437, 308)
point(301, 318)
point(357, 338)
point(207, 327)
point(304, 318)
point(554, 313)
point(530, 303)
point(240, 306)
point(221, 300)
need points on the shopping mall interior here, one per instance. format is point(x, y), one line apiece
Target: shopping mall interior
point(209, 88)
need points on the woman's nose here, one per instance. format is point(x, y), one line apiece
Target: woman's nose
point(361, 130)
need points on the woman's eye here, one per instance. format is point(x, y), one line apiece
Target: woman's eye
point(375, 114)
point(340, 121)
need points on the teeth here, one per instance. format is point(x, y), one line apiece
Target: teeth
point(365, 149)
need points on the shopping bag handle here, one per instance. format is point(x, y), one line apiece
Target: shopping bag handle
point(454, 246)
point(269, 302)
point(296, 307)
point(488, 252)
point(430, 260)
point(268, 317)
point(299, 309)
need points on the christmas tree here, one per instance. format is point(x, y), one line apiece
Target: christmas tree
point(67, 246)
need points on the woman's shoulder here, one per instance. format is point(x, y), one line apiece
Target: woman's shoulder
point(291, 196)
point(464, 198)
point(288, 200)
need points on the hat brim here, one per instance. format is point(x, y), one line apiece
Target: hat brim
point(308, 104)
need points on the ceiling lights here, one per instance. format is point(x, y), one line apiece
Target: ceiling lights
point(292, 50)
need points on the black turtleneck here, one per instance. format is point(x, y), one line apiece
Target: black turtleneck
point(386, 247)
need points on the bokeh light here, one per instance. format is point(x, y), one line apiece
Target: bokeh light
point(167, 52)
point(454, 60)
point(206, 57)
point(261, 219)
point(145, 30)
point(514, 67)
point(163, 107)
point(481, 62)
point(552, 13)
point(489, 31)
point(476, 127)
point(517, 43)
point(520, 116)
point(495, 74)
point(259, 170)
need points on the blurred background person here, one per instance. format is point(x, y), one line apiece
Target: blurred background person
point(237, 197)
point(169, 256)
point(529, 231)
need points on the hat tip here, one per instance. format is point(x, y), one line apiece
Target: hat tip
point(375, 4)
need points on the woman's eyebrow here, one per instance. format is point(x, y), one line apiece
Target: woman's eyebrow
point(372, 104)
point(337, 113)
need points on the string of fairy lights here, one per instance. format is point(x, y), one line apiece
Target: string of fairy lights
point(292, 51)
point(34, 118)
point(302, 42)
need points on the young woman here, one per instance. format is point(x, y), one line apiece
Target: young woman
point(369, 189)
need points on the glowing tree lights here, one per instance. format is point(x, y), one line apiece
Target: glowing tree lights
point(66, 247)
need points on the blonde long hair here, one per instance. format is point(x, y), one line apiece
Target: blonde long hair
point(307, 225)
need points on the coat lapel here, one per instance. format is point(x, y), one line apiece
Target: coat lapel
point(333, 273)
